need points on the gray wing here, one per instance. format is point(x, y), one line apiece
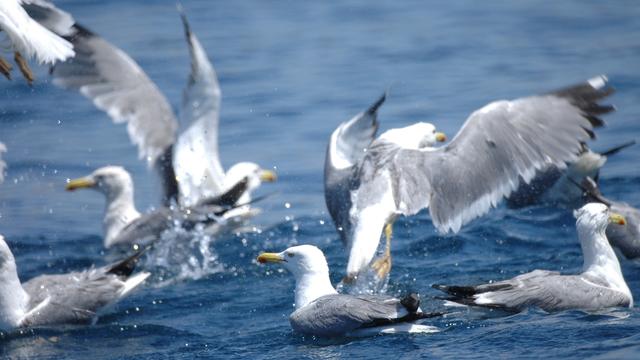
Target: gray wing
point(196, 158)
point(117, 85)
point(147, 228)
point(49, 16)
point(553, 292)
point(334, 315)
point(499, 145)
point(347, 147)
point(150, 226)
point(3, 165)
point(74, 297)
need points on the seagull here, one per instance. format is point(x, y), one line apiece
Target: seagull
point(189, 165)
point(499, 146)
point(72, 298)
point(599, 286)
point(347, 147)
point(31, 39)
point(124, 224)
point(626, 238)
point(556, 187)
point(321, 311)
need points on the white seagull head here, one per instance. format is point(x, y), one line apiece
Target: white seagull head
point(109, 180)
point(417, 136)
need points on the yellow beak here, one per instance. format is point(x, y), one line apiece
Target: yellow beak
point(441, 137)
point(80, 184)
point(268, 176)
point(269, 257)
point(617, 219)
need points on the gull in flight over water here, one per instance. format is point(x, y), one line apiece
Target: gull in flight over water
point(500, 146)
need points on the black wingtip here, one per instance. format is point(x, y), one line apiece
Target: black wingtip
point(376, 105)
point(614, 150)
point(185, 22)
point(456, 290)
point(228, 198)
point(127, 266)
point(586, 95)
point(411, 302)
point(591, 190)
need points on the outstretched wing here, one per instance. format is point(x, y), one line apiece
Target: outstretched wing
point(500, 145)
point(196, 160)
point(49, 16)
point(31, 38)
point(347, 147)
point(117, 85)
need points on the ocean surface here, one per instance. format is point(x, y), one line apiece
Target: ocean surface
point(290, 72)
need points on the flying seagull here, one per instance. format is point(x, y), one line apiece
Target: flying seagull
point(554, 186)
point(32, 40)
point(347, 147)
point(124, 224)
point(600, 285)
point(499, 146)
point(189, 165)
point(71, 298)
point(321, 311)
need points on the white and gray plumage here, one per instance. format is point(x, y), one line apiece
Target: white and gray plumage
point(600, 284)
point(189, 165)
point(3, 165)
point(499, 146)
point(347, 146)
point(321, 311)
point(624, 237)
point(554, 186)
point(72, 298)
point(31, 39)
point(124, 224)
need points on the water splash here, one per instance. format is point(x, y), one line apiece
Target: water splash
point(182, 255)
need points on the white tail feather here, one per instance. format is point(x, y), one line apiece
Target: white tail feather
point(133, 283)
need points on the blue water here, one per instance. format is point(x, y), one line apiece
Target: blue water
point(290, 73)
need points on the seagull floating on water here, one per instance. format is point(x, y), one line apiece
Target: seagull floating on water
point(72, 298)
point(124, 224)
point(627, 237)
point(321, 311)
point(499, 146)
point(189, 165)
point(600, 285)
point(29, 38)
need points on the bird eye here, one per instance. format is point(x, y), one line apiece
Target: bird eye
point(289, 254)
